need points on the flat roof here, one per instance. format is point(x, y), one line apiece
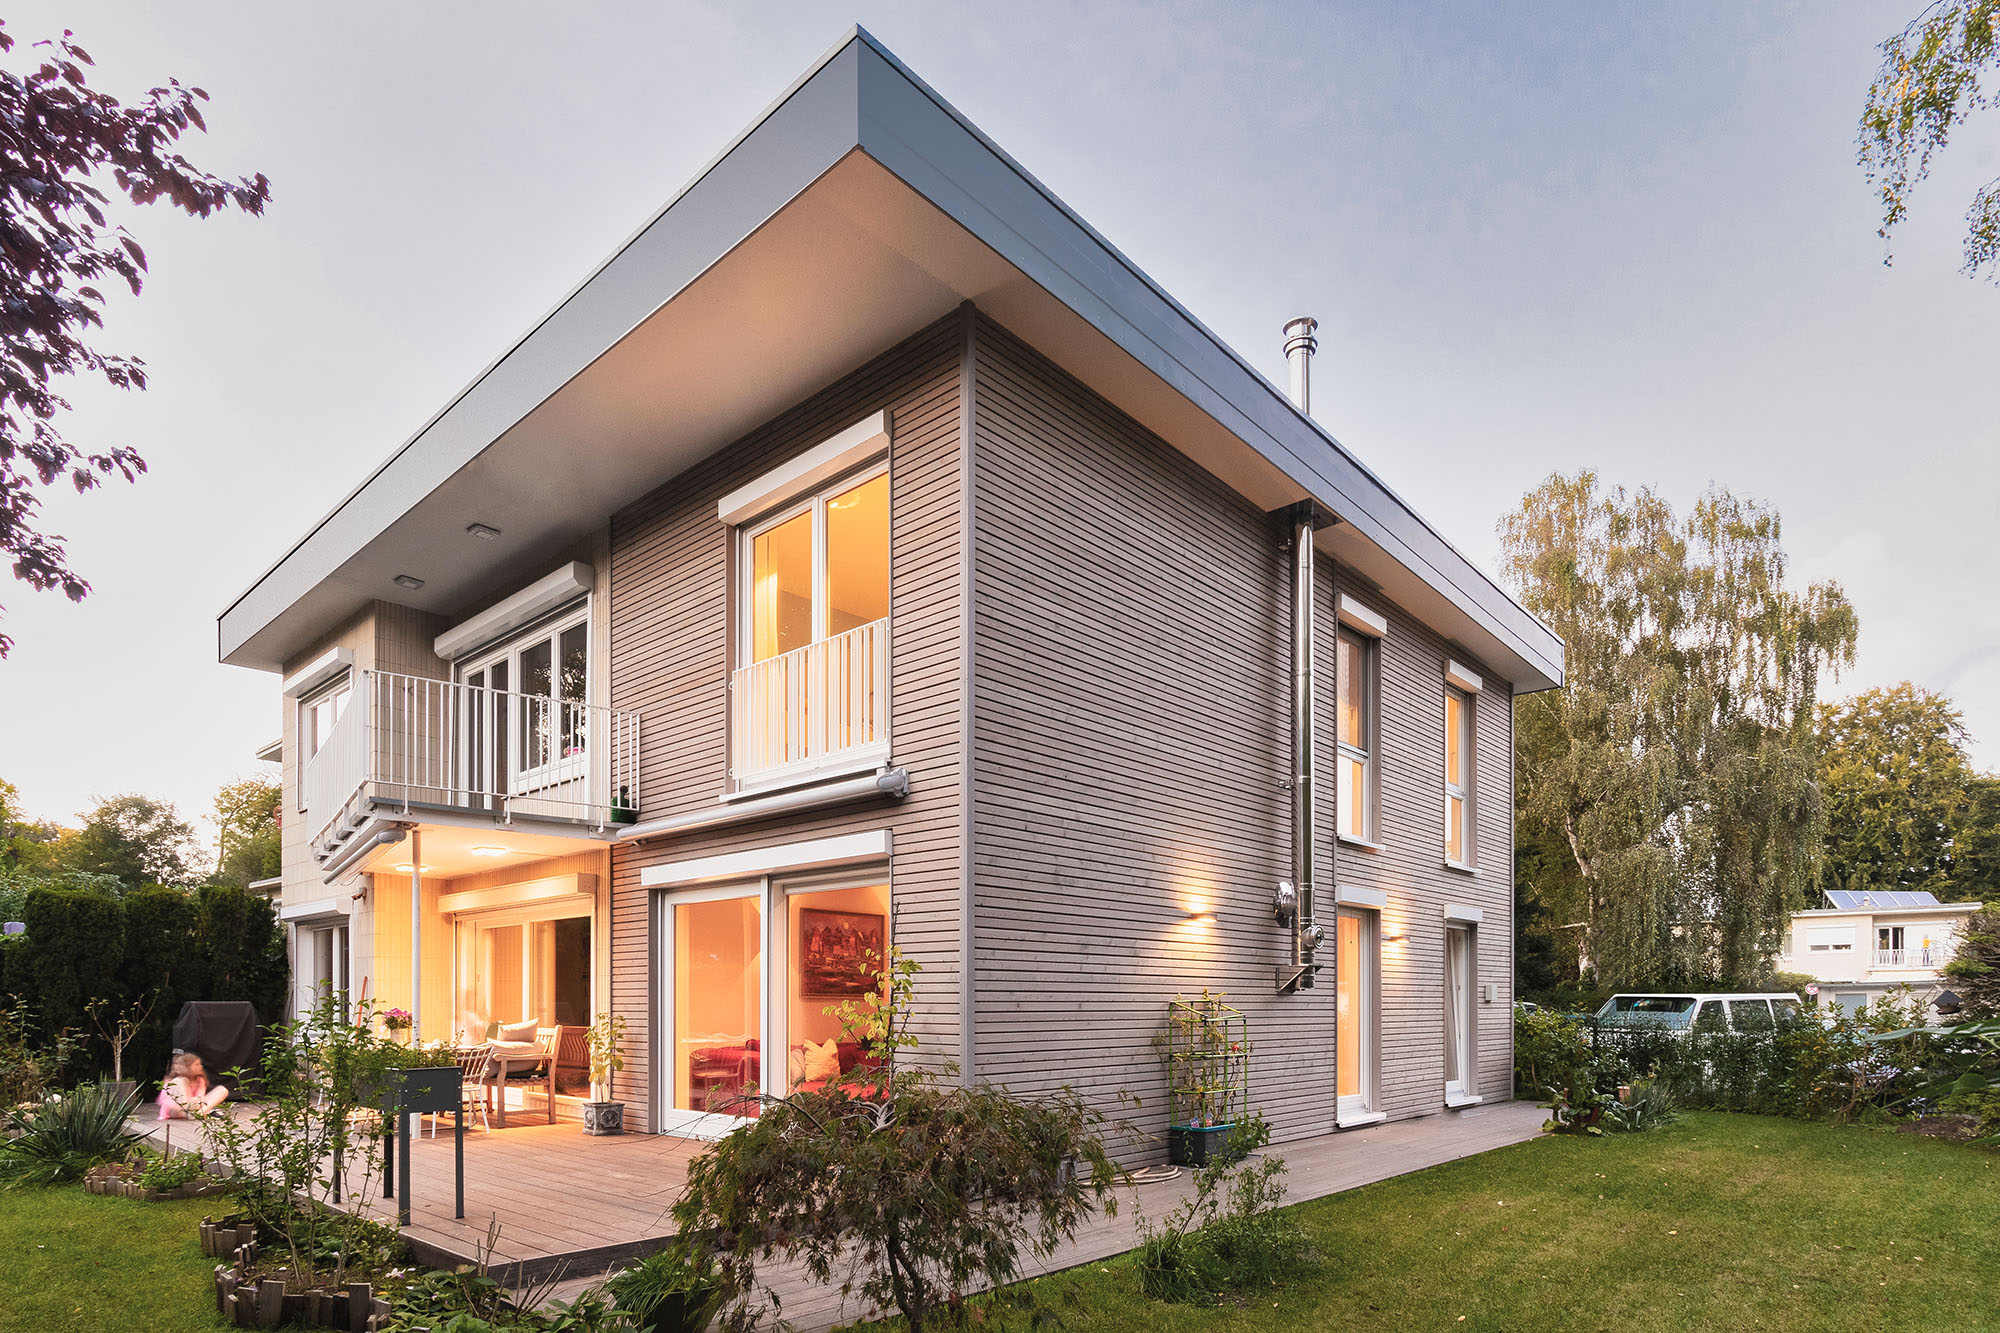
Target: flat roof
point(860, 207)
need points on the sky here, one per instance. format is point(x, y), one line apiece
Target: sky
point(1538, 237)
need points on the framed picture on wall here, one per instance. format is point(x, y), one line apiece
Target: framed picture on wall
point(833, 946)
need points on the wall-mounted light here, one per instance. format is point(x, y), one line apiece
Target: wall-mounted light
point(410, 581)
point(1394, 935)
point(1200, 918)
point(482, 531)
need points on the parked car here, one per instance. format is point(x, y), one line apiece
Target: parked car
point(1699, 1011)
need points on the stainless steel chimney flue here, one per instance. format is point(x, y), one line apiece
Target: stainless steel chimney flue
point(1300, 344)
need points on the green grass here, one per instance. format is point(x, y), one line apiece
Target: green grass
point(76, 1261)
point(1717, 1222)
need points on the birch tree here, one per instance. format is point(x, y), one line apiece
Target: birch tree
point(1677, 764)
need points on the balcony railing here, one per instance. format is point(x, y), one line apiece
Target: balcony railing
point(1937, 955)
point(814, 707)
point(416, 743)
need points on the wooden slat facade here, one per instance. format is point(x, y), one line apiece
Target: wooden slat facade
point(1131, 736)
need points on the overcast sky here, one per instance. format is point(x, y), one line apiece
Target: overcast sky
point(1627, 237)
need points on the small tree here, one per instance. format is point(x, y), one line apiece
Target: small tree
point(919, 1188)
point(119, 1024)
point(607, 1054)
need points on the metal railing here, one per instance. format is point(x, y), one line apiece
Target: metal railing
point(414, 741)
point(1934, 956)
point(811, 706)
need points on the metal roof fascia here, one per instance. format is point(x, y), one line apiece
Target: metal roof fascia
point(1000, 204)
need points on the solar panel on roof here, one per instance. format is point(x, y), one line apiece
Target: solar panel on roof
point(1853, 900)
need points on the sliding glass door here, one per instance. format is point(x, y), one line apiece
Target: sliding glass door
point(521, 966)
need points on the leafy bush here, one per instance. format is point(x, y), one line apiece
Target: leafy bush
point(65, 1135)
point(914, 1187)
point(672, 1290)
point(28, 1070)
point(170, 1171)
point(1229, 1234)
point(1644, 1105)
point(1550, 1049)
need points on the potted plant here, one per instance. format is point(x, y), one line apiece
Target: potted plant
point(624, 810)
point(1207, 1048)
point(672, 1290)
point(601, 1115)
point(118, 1032)
point(396, 1022)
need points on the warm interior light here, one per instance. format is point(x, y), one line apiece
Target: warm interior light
point(488, 851)
point(406, 867)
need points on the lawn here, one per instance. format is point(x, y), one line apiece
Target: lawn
point(1718, 1222)
point(76, 1262)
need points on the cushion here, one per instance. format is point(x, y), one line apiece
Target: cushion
point(522, 1031)
point(822, 1060)
point(515, 1047)
point(795, 1067)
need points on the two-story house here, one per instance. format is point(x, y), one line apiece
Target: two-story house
point(1865, 944)
point(868, 553)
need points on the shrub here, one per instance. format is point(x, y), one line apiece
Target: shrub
point(170, 1171)
point(672, 1290)
point(1549, 1049)
point(914, 1187)
point(28, 1069)
point(1229, 1234)
point(67, 1134)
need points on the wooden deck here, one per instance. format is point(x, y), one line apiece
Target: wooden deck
point(565, 1200)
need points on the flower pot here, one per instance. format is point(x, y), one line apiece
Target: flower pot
point(1197, 1145)
point(624, 814)
point(604, 1117)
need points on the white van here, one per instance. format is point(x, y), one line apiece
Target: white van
point(1700, 1011)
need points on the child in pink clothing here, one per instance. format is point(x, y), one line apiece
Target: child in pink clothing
point(186, 1091)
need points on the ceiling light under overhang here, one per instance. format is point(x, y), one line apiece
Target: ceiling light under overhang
point(491, 851)
point(410, 581)
point(482, 531)
point(407, 868)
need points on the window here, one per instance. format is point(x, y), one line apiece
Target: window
point(323, 958)
point(317, 715)
point(1710, 1018)
point(533, 729)
point(812, 685)
point(1354, 975)
point(1354, 784)
point(1829, 939)
point(1750, 1015)
point(1461, 1078)
point(1457, 776)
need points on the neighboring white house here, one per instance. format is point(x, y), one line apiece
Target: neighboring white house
point(1869, 943)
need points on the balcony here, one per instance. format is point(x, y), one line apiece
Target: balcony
point(1929, 959)
point(413, 747)
point(817, 709)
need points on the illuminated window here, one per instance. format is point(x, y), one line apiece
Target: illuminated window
point(1354, 783)
point(1457, 776)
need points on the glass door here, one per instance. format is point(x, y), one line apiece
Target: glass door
point(1355, 963)
point(524, 966)
point(714, 992)
point(1461, 1083)
point(836, 940)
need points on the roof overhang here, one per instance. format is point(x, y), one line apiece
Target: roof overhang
point(859, 208)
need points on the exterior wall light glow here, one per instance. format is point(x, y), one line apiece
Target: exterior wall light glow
point(1395, 936)
point(482, 531)
point(410, 581)
point(1201, 918)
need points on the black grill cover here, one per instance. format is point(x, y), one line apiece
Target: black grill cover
point(222, 1032)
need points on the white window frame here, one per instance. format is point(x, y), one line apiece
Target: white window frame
point(1367, 658)
point(339, 693)
point(465, 927)
point(522, 779)
point(857, 758)
point(774, 894)
point(1468, 847)
point(1362, 1108)
point(1461, 1085)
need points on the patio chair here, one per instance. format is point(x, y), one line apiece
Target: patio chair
point(572, 1057)
point(472, 1070)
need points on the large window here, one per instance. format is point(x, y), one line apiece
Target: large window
point(1457, 776)
point(811, 688)
point(1354, 783)
point(533, 730)
point(317, 715)
point(757, 977)
point(521, 965)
